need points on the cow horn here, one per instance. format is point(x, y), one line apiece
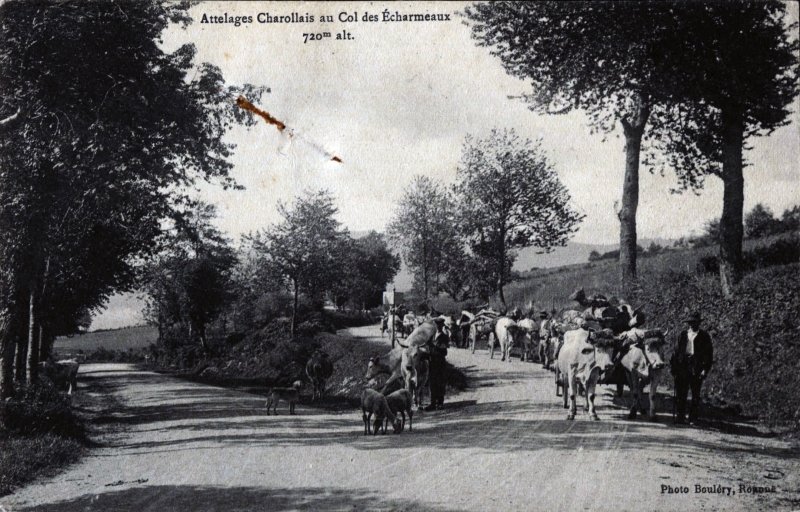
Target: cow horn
point(639, 307)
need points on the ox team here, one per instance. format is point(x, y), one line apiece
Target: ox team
point(603, 342)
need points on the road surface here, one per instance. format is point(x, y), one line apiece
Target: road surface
point(503, 444)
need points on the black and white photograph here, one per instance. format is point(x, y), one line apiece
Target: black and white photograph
point(399, 256)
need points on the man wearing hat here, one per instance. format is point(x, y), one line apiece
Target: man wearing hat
point(690, 364)
point(437, 376)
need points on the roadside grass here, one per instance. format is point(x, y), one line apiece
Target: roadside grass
point(24, 458)
point(40, 434)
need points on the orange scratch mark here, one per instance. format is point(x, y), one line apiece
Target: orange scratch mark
point(242, 102)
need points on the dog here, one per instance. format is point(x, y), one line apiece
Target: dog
point(290, 395)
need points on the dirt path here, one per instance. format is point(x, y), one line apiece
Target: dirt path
point(501, 445)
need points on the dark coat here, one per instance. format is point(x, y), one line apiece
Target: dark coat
point(703, 354)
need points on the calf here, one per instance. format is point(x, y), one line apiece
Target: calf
point(400, 403)
point(319, 368)
point(290, 395)
point(375, 403)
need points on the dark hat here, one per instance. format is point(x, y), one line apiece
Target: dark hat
point(694, 317)
point(542, 314)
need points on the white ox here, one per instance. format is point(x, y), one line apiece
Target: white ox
point(529, 337)
point(581, 360)
point(644, 364)
point(508, 334)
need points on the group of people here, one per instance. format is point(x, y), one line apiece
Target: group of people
point(690, 365)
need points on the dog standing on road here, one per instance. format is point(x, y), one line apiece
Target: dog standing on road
point(290, 395)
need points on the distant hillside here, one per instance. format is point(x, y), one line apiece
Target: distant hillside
point(571, 254)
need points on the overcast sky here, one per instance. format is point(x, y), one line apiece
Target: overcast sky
point(398, 100)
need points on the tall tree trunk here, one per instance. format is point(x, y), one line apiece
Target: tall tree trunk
point(633, 129)
point(6, 354)
point(33, 346)
point(731, 231)
point(45, 343)
point(294, 309)
point(21, 357)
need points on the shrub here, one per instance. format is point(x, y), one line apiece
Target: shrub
point(38, 409)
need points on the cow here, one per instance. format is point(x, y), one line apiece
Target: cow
point(582, 359)
point(529, 338)
point(391, 368)
point(319, 369)
point(463, 323)
point(415, 370)
point(63, 374)
point(481, 326)
point(644, 364)
point(547, 338)
point(508, 334)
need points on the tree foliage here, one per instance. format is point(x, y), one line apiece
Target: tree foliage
point(306, 250)
point(97, 147)
point(369, 265)
point(423, 227)
point(510, 197)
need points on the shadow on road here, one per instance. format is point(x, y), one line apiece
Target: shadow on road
point(232, 499)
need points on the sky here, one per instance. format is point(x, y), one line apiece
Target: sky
point(399, 99)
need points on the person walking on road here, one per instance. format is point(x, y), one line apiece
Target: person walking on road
point(690, 365)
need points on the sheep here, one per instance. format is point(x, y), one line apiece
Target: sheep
point(400, 403)
point(290, 395)
point(375, 403)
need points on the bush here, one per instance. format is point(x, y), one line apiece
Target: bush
point(104, 355)
point(39, 409)
point(344, 319)
point(780, 252)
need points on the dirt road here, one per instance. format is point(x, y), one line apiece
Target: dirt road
point(503, 444)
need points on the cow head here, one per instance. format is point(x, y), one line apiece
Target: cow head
point(654, 351)
point(604, 347)
point(374, 368)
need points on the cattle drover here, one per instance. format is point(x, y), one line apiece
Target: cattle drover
point(691, 363)
point(438, 367)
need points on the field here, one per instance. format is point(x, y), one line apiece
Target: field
point(128, 338)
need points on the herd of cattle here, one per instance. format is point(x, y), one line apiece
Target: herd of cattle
point(600, 343)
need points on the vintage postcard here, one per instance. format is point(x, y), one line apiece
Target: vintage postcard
point(439, 256)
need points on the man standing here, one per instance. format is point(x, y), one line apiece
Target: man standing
point(690, 364)
point(438, 367)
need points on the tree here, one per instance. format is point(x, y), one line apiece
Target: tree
point(741, 58)
point(369, 265)
point(603, 58)
point(190, 282)
point(423, 223)
point(760, 222)
point(594, 256)
point(306, 249)
point(790, 220)
point(97, 146)
point(510, 198)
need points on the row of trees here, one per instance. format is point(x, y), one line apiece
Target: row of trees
point(462, 240)
point(200, 278)
point(689, 83)
point(95, 148)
